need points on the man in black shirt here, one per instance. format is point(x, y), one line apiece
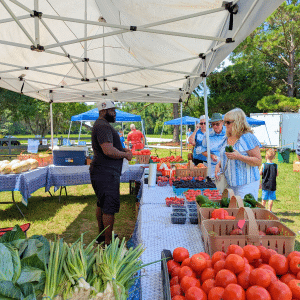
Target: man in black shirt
point(106, 167)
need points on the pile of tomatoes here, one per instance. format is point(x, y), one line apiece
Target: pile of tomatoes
point(248, 273)
point(212, 194)
point(191, 195)
point(162, 180)
point(141, 152)
point(168, 159)
point(174, 201)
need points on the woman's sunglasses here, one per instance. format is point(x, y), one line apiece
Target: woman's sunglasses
point(228, 122)
point(201, 123)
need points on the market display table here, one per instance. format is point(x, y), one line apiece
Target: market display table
point(63, 176)
point(26, 183)
point(156, 232)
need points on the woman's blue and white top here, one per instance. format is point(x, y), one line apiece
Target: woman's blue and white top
point(198, 147)
point(239, 173)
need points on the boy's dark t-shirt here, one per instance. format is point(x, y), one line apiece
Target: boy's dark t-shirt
point(269, 177)
point(101, 164)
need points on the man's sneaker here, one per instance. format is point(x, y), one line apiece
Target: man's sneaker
point(101, 239)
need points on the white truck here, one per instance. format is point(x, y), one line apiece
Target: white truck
point(280, 129)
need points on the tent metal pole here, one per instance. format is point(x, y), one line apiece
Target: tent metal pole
point(85, 42)
point(22, 6)
point(207, 129)
point(63, 49)
point(162, 130)
point(181, 128)
point(143, 131)
point(37, 23)
point(202, 13)
point(80, 131)
point(51, 121)
point(186, 132)
point(11, 19)
point(70, 130)
point(18, 22)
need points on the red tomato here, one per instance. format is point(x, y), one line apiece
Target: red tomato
point(180, 254)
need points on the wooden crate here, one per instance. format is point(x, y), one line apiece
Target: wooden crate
point(142, 159)
point(195, 172)
point(216, 234)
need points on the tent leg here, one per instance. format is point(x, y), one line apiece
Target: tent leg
point(80, 131)
point(207, 129)
point(162, 131)
point(181, 128)
point(144, 133)
point(51, 121)
point(69, 130)
point(186, 138)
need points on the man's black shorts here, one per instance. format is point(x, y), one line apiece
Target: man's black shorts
point(107, 190)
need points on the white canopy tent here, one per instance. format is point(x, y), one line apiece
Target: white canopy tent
point(123, 50)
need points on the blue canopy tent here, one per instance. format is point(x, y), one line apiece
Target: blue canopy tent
point(93, 114)
point(184, 121)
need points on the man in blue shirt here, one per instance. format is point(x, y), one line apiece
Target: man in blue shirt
point(216, 136)
point(196, 140)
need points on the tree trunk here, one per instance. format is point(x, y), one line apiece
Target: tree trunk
point(290, 78)
point(176, 127)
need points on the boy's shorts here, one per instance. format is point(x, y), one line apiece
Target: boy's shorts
point(268, 195)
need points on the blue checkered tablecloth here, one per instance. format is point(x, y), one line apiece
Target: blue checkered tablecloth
point(77, 175)
point(26, 183)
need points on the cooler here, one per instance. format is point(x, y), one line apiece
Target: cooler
point(69, 155)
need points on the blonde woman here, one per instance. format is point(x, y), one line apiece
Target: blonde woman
point(241, 165)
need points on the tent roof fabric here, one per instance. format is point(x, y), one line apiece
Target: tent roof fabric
point(185, 121)
point(122, 50)
point(93, 114)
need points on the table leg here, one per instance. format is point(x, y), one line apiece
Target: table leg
point(13, 198)
point(62, 187)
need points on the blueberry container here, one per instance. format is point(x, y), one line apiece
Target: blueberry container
point(179, 210)
point(193, 220)
point(178, 219)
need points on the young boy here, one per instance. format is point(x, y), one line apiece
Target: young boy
point(269, 172)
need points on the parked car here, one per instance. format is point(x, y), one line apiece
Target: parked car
point(5, 143)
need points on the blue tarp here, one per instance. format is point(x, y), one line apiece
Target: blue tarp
point(93, 114)
point(255, 122)
point(185, 121)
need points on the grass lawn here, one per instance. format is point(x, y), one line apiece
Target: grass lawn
point(76, 213)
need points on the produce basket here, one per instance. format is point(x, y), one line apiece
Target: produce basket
point(193, 172)
point(228, 193)
point(216, 234)
point(204, 213)
point(142, 159)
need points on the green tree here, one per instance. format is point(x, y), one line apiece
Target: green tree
point(278, 102)
point(275, 44)
point(36, 114)
point(239, 85)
